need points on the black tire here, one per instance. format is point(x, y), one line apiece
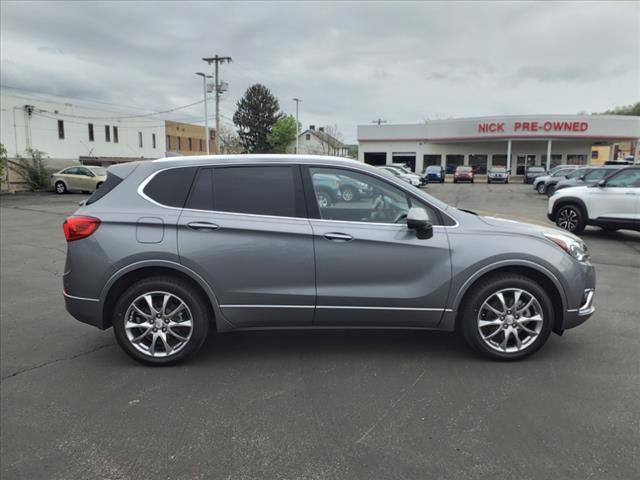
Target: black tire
point(488, 181)
point(442, 181)
point(541, 189)
point(99, 184)
point(61, 188)
point(194, 301)
point(570, 218)
point(481, 291)
point(455, 181)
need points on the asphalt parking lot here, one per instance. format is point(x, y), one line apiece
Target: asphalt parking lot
point(330, 405)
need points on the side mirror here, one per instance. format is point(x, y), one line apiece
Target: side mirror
point(602, 183)
point(418, 220)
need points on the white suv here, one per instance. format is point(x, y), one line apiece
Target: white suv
point(613, 203)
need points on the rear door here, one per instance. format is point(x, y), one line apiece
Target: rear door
point(72, 178)
point(245, 231)
point(371, 270)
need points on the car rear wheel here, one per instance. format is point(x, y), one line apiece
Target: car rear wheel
point(60, 188)
point(507, 317)
point(160, 321)
point(570, 218)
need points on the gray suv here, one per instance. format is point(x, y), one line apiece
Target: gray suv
point(168, 250)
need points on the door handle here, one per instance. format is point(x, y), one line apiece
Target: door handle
point(338, 237)
point(203, 226)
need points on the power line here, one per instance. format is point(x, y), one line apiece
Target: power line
point(142, 115)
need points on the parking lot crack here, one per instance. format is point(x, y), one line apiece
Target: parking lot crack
point(46, 364)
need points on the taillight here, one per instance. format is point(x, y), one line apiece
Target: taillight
point(76, 228)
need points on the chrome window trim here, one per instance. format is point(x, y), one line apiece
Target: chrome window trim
point(143, 184)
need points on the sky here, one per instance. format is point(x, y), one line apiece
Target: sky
point(350, 63)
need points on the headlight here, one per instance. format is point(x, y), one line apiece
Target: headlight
point(576, 248)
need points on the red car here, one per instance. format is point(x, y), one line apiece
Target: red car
point(463, 174)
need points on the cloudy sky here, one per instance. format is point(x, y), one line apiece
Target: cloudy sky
point(349, 62)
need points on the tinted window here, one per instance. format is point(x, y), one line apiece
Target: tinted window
point(71, 171)
point(258, 190)
point(625, 179)
point(577, 173)
point(201, 197)
point(596, 174)
point(171, 187)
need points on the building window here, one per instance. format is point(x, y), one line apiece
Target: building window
point(594, 154)
point(115, 134)
point(201, 145)
point(307, 136)
point(61, 129)
point(168, 140)
point(190, 144)
point(479, 163)
point(91, 137)
point(140, 139)
point(179, 144)
point(453, 161)
point(153, 140)
point(107, 133)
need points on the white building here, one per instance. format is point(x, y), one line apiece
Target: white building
point(512, 141)
point(319, 142)
point(69, 133)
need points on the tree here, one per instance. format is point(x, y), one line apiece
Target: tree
point(32, 170)
point(256, 114)
point(624, 110)
point(282, 134)
point(229, 141)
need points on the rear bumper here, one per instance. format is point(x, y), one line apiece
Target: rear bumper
point(85, 310)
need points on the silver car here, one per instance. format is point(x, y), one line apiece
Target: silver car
point(168, 250)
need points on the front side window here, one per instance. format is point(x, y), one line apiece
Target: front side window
point(577, 173)
point(356, 197)
point(595, 175)
point(625, 179)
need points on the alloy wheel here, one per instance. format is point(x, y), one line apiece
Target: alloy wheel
point(540, 188)
point(158, 324)
point(510, 320)
point(567, 219)
point(323, 200)
point(347, 195)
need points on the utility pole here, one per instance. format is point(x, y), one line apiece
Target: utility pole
point(206, 113)
point(379, 121)
point(297, 100)
point(218, 86)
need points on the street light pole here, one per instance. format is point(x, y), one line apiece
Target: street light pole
point(297, 100)
point(206, 114)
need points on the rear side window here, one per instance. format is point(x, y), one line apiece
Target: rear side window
point(109, 184)
point(258, 190)
point(274, 191)
point(171, 187)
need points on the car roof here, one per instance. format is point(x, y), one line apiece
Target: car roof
point(197, 160)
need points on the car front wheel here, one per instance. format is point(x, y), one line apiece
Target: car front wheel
point(570, 218)
point(160, 321)
point(507, 317)
point(60, 188)
point(540, 188)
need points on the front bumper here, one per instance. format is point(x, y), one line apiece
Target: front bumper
point(582, 314)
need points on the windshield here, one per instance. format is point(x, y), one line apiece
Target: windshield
point(463, 169)
point(433, 168)
point(390, 170)
point(98, 171)
point(497, 169)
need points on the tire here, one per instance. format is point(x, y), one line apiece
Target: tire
point(61, 188)
point(324, 199)
point(157, 287)
point(455, 181)
point(540, 188)
point(442, 181)
point(488, 181)
point(348, 194)
point(488, 339)
point(99, 185)
point(570, 218)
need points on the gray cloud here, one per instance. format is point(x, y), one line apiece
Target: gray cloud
point(349, 62)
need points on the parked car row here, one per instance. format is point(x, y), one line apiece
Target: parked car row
point(573, 177)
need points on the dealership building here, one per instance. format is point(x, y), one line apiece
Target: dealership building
point(512, 141)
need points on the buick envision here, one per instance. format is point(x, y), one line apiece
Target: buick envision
point(167, 250)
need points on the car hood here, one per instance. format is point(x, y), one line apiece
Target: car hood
point(515, 227)
point(543, 178)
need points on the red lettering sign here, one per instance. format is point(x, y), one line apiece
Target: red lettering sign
point(548, 126)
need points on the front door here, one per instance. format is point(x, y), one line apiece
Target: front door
point(246, 233)
point(371, 270)
point(618, 199)
point(524, 161)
